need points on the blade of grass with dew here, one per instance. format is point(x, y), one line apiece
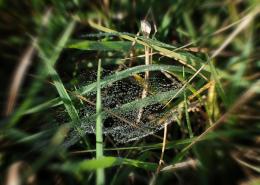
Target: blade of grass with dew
point(106, 81)
point(129, 72)
point(148, 40)
point(102, 45)
point(100, 173)
point(183, 57)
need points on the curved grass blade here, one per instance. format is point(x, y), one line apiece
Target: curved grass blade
point(36, 85)
point(106, 81)
point(102, 45)
point(183, 57)
point(117, 34)
point(61, 90)
point(64, 96)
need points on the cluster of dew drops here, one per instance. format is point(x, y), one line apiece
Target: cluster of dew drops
point(123, 125)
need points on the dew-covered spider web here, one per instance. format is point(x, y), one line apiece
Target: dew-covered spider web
point(127, 114)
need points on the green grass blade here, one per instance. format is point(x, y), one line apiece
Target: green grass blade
point(104, 162)
point(100, 176)
point(106, 81)
point(65, 98)
point(184, 57)
point(49, 63)
point(36, 85)
point(219, 87)
point(103, 45)
point(186, 110)
point(189, 25)
point(62, 92)
point(129, 72)
point(118, 34)
point(48, 104)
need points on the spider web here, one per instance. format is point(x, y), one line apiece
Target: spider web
point(122, 104)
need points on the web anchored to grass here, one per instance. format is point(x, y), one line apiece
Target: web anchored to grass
point(122, 101)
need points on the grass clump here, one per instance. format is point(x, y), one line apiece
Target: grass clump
point(173, 106)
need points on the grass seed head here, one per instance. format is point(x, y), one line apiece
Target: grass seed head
point(145, 28)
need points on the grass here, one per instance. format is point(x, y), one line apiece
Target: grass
point(99, 134)
point(105, 82)
point(211, 47)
